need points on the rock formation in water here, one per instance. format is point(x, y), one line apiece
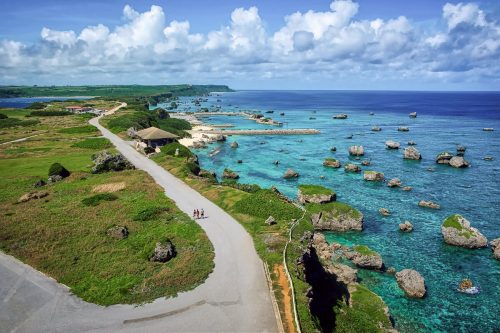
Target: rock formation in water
point(457, 231)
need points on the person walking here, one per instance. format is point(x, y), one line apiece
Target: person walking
point(197, 214)
point(194, 213)
point(202, 213)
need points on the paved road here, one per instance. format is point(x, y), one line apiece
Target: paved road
point(234, 298)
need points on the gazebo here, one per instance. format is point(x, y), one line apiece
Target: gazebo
point(154, 137)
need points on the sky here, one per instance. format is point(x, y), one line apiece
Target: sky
point(280, 44)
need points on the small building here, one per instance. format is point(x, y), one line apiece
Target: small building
point(154, 137)
point(73, 108)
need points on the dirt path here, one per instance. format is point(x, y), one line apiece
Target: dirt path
point(287, 299)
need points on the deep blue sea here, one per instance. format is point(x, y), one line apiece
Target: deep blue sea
point(22, 102)
point(445, 120)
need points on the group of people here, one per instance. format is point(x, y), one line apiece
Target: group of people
point(198, 214)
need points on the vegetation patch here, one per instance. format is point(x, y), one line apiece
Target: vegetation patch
point(79, 130)
point(170, 149)
point(336, 208)
point(94, 143)
point(264, 203)
point(314, 190)
point(364, 250)
point(56, 169)
point(149, 213)
point(98, 198)
point(14, 122)
point(452, 222)
point(50, 113)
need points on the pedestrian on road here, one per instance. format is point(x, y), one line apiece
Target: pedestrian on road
point(202, 213)
point(197, 214)
point(194, 213)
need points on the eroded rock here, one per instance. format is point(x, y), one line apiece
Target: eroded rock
point(411, 282)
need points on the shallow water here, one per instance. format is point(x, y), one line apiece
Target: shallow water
point(444, 120)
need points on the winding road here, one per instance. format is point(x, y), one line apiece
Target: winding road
point(234, 298)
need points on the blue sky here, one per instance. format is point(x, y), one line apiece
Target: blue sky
point(306, 44)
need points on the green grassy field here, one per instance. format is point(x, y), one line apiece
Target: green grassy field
point(66, 238)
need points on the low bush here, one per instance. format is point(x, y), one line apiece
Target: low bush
point(170, 149)
point(49, 113)
point(57, 169)
point(98, 198)
point(13, 122)
point(149, 213)
point(250, 188)
point(93, 143)
point(2, 116)
point(193, 168)
point(79, 130)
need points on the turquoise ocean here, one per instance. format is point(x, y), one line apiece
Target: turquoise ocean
point(445, 120)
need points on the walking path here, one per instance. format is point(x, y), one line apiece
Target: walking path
point(234, 298)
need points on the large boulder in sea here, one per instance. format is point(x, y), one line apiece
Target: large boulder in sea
point(356, 150)
point(290, 173)
point(373, 176)
point(163, 252)
point(340, 116)
point(332, 163)
point(336, 216)
point(495, 248)
point(363, 256)
point(392, 144)
point(351, 167)
point(444, 157)
point(457, 231)
point(234, 144)
point(406, 226)
point(413, 115)
point(394, 182)
point(411, 282)
point(458, 162)
point(429, 204)
point(315, 194)
point(411, 153)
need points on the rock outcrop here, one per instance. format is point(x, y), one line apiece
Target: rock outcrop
point(458, 162)
point(403, 129)
point(32, 195)
point(362, 256)
point(338, 216)
point(495, 248)
point(163, 252)
point(118, 232)
point(444, 157)
point(384, 212)
point(356, 150)
point(373, 176)
point(318, 198)
point(411, 282)
point(457, 231)
point(411, 153)
point(270, 221)
point(428, 204)
point(234, 144)
point(406, 226)
point(290, 173)
point(229, 174)
point(376, 129)
point(394, 182)
point(340, 116)
point(105, 161)
point(392, 144)
point(332, 163)
point(351, 167)
point(413, 115)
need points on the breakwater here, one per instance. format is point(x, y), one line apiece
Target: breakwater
point(295, 131)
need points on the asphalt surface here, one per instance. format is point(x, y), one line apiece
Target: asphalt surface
point(234, 298)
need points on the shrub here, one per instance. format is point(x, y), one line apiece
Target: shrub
point(149, 213)
point(170, 148)
point(2, 116)
point(137, 120)
point(49, 113)
point(13, 122)
point(250, 188)
point(264, 203)
point(36, 106)
point(93, 143)
point(193, 168)
point(96, 199)
point(57, 169)
point(79, 130)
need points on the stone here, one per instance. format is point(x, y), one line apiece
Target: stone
point(332, 163)
point(403, 129)
point(373, 176)
point(495, 248)
point(467, 287)
point(131, 132)
point(163, 252)
point(344, 273)
point(394, 182)
point(276, 162)
point(488, 129)
point(54, 179)
point(105, 161)
point(413, 115)
point(412, 143)
point(407, 188)
point(315, 198)
point(411, 282)
point(391, 270)
point(363, 256)
point(239, 161)
point(118, 232)
point(40, 183)
point(406, 226)
point(461, 150)
point(32, 196)
point(488, 158)
point(376, 129)
point(384, 212)
point(336, 220)
point(411, 153)
point(270, 220)
point(458, 162)
point(444, 157)
point(219, 138)
point(365, 162)
point(372, 113)
point(351, 167)
point(356, 150)
point(234, 144)
point(392, 144)
point(340, 116)
point(333, 149)
point(429, 204)
point(457, 231)
point(290, 173)
point(229, 174)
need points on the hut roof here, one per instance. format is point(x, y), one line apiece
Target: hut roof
point(153, 133)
